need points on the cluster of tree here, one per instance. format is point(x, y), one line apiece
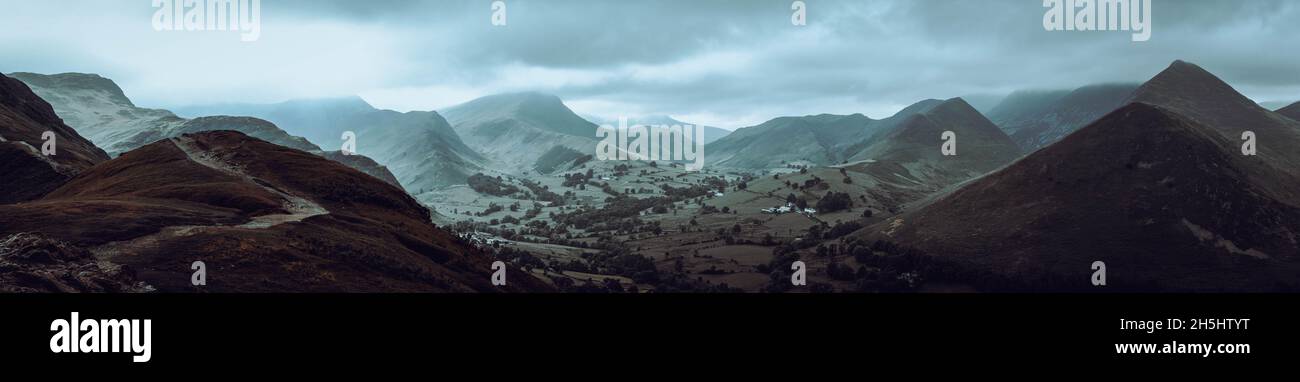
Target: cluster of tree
point(615, 259)
point(683, 283)
point(639, 268)
point(578, 179)
point(688, 192)
point(495, 186)
point(779, 269)
point(609, 189)
point(798, 202)
point(729, 236)
point(543, 193)
point(631, 226)
point(715, 183)
point(521, 259)
point(842, 228)
point(834, 201)
point(533, 212)
point(492, 208)
point(706, 209)
point(583, 160)
point(888, 267)
point(606, 285)
point(621, 170)
point(615, 209)
point(742, 183)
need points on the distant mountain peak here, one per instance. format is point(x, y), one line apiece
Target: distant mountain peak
point(518, 128)
point(919, 107)
point(76, 81)
point(954, 104)
point(1187, 68)
point(519, 99)
point(350, 102)
point(1183, 64)
point(1194, 92)
point(1187, 80)
point(915, 140)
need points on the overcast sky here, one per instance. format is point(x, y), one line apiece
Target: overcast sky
point(724, 63)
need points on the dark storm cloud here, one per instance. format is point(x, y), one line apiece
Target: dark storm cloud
point(728, 63)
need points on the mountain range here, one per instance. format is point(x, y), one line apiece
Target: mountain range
point(426, 151)
point(814, 139)
point(97, 107)
point(326, 119)
point(912, 138)
point(1149, 178)
point(1036, 119)
point(710, 133)
point(1158, 190)
point(261, 216)
point(100, 110)
point(515, 130)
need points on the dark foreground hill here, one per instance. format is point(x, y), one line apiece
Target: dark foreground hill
point(1166, 202)
point(25, 172)
point(1292, 111)
point(262, 217)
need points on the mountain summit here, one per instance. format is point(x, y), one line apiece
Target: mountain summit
point(1198, 94)
point(516, 130)
point(531, 109)
point(981, 146)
